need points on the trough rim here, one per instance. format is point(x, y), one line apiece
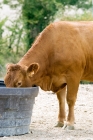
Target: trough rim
point(19, 91)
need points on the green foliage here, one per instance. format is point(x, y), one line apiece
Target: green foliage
point(79, 3)
point(84, 4)
point(37, 15)
point(2, 41)
point(2, 22)
point(86, 16)
point(86, 82)
point(68, 2)
point(11, 47)
point(15, 37)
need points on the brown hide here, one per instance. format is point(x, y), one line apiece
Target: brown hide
point(61, 55)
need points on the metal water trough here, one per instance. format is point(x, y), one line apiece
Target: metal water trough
point(16, 106)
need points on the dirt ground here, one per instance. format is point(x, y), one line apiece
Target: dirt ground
point(45, 113)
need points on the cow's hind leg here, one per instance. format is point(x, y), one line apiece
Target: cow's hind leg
point(72, 88)
point(61, 95)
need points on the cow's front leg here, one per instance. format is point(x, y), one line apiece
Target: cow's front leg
point(72, 88)
point(61, 95)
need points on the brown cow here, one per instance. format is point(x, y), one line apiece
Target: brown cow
point(60, 57)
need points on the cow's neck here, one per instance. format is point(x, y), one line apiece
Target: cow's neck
point(45, 82)
point(39, 53)
point(34, 56)
point(28, 58)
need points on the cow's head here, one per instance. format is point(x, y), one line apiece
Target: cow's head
point(20, 76)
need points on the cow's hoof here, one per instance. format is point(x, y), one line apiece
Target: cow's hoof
point(68, 127)
point(59, 124)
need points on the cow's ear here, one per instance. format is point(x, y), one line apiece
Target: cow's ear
point(32, 69)
point(8, 65)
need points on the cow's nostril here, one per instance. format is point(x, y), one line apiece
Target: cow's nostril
point(19, 83)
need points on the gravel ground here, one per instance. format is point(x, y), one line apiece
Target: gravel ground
point(45, 113)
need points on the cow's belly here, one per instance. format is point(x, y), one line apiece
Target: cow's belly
point(88, 76)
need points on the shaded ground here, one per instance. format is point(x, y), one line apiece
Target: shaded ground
point(45, 117)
